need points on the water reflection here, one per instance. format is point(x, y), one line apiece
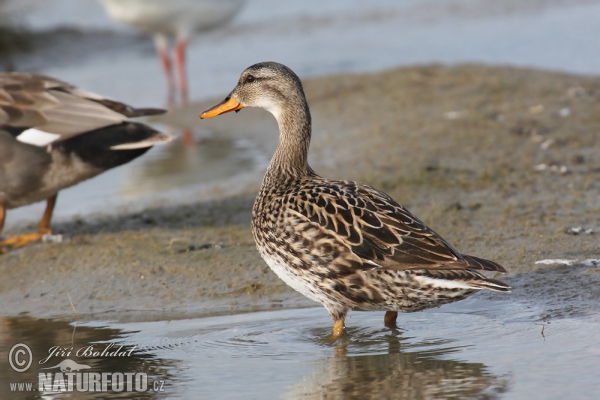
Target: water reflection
point(271, 354)
point(400, 374)
point(64, 340)
point(483, 347)
point(179, 165)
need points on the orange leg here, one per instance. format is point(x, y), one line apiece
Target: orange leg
point(339, 329)
point(2, 216)
point(43, 229)
point(44, 226)
point(390, 319)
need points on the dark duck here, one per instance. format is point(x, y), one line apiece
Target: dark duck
point(54, 135)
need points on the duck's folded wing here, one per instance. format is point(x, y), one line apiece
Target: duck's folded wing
point(375, 227)
point(117, 106)
point(378, 233)
point(46, 110)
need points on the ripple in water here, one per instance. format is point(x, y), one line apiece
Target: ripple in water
point(526, 345)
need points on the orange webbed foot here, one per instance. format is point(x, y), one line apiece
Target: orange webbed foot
point(339, 330)
point(20, 241)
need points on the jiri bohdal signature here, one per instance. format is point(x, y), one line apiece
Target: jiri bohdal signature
point(91, 351)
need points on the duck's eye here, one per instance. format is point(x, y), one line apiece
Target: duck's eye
point(249, 79)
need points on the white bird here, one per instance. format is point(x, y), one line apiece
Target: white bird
point(177, 19)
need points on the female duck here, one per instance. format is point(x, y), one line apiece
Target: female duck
point(342, 243)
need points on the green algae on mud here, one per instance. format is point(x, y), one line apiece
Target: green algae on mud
point(499, 161)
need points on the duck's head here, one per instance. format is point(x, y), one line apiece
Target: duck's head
point(267, 85)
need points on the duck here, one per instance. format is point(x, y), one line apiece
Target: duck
point(166, 19)
point(342, 243)
point(54, 135)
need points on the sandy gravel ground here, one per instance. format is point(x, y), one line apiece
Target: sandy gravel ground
point(500, 161)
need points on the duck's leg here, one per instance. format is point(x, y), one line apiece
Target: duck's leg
point(339, 329)
point(43, 228)
point(44, 225)
point(2, 216)
point(162, 49)
point(390, 319)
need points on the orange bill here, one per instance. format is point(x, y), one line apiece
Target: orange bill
point(227, 105)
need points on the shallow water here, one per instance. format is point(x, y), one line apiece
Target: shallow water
point(531, 343)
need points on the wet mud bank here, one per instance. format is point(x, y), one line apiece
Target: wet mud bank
point(502, 162)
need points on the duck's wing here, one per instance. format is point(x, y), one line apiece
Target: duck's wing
point(378, 230)
point(40, 110)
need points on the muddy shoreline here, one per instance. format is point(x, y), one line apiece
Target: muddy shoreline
point(500, 161)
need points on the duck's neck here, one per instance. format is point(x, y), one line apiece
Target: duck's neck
point(291, 156)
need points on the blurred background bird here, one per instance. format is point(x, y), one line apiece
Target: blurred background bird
point(173, 19)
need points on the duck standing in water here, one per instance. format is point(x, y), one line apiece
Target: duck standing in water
point(342, 243)
point(54, 135)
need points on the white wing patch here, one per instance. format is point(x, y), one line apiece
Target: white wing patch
point(151, 141)
point(442, 283)
point(37, 137)
point(372, 263)
point(132, 146)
